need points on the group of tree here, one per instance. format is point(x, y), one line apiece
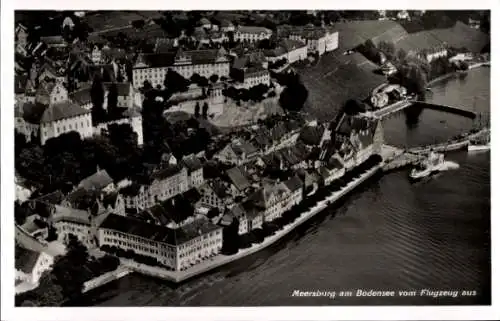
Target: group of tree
point(175, 82)
point(67, 159)
point(277, 64)
point(255, 93)
point(199, 80)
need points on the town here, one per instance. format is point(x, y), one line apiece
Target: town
point(170, 143)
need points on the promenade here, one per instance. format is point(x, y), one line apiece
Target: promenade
point(220, 260)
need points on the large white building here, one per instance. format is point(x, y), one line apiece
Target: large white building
point(291, 50)
point(177, 249)
point(154, 67)
point(52, 114)
point(251, 33)
point(318, 41)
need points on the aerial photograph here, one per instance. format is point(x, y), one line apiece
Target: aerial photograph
point(252, 158)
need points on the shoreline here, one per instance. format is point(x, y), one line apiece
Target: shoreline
point(220, 260)
point(450, 74)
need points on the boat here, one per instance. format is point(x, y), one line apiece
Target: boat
point(442, 121)
point(428, 166)
point(472, 147)
point(434, 163)
point(479, 145)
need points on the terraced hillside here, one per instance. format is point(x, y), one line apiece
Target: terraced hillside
point(335, 79)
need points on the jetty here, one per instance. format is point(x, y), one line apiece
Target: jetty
point(403, 104)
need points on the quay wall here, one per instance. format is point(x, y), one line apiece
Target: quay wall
point(107, 277)
point(219, 260)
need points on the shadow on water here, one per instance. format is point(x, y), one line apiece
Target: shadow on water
point(412, 116)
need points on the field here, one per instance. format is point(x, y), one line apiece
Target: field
point(335, 79)
point(234, 116)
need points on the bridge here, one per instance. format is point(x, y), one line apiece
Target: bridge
point(402, 104)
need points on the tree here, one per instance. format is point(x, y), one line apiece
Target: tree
point(174, 82)
point(112, 98)
point(294, 95)
point(197, 110)
point(138, 24)
point(97, 98)
point(146, 86)
point(214, 78)
point(205, 110)
point(388, 48)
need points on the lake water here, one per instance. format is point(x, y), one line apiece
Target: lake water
point(390, 235)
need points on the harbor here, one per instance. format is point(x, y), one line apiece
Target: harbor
point(370, 223)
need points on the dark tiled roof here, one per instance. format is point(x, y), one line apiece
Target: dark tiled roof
point(198, 57)
point(157, 232)
point(25, 259)
point(237, 178)
point(241, 146)
point(293, 183)
point(131, 190)
point(68, 214)
point(418, 41)
point(157, 60)
point(251, 210)
point(192, 163)
point(62, 110)
point(311, 135)
point(252, 29)
point(110, 199)
point(82, 199)
point(334, 163)
point(96, 181)
point(81, 96)
point(32, 113)
point(51, 198)
point(167, 172)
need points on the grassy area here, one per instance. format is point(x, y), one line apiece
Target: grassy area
point(335, 79)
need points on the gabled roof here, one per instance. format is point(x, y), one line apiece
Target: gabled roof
point(81, 96)
point(167, 172)
point(62, 110)
point(96, 181)
point(69, 214)
point(293, 184)
point(237, 177)
point(82, 199)
point(25, 260)
point(158, 233)
point(192, 163)
point(311, 135)
point(241, 146)
point(253, 30)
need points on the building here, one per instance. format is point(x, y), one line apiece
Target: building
point(21, 39)
point(361, 135)
point(154, 67)
point(239, 181)
point(52, 114)
point(96, 56)
point(227, 26)
point(177, 249)
point(424, 44)
point(131, 117)
point(237, 152)
point(23, 192)
point(332, 170)
point(30, 265)
point(165, 183)
point(73, 221)
point(318, 40)
point(125, 95)
point(255, 76)
point(195, 170)
point(251, 34)
point(291, 50)
point(100, 182)
point(237, 212)
point(215, 194)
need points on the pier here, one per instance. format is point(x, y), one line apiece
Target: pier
point(403, 104)
point(395, 158)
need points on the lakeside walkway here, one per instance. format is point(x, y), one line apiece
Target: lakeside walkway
point(219, 260)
